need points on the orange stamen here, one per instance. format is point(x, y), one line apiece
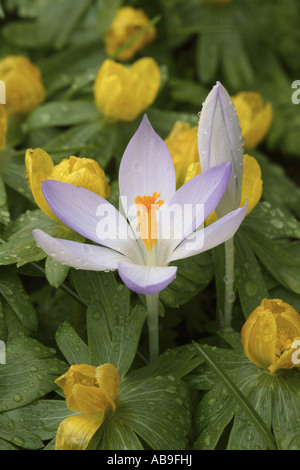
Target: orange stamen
point(147, 207)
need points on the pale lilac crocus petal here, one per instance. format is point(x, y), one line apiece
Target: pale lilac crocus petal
point(211, 236)
point(146, 167)
point(146, 279)
point(78, 255)
point(89, 214)
point(220, 140)
point(196, 199)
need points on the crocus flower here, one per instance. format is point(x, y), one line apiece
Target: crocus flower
point(3, 127)
point(219, 140)
point(127, 22)
point(122, 93)
point(91, 393)
point(271, 334)
point(255, 116)
point(84, 172)
point(24, 84)
point(147, 186)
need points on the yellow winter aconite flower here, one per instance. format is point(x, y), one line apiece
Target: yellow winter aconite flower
point(255, 116)
point(183, 147)
point(128, 21)
point(24, 84)
point(3, 127)
point(84, 172)
point(122, 93)
point(90, 391)
point(269, 333)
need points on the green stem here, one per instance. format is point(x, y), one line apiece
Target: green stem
point(152, 306)
point(229, 282)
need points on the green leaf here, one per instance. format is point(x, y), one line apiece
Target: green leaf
point(71, 345)
point(157, 410)
point(273, 221)
point(53, 25)
point(42, 416)
point(277, 259)
point(193, 275)
point(12, 172)
point(248, 277)
point(55, 272)
point(21, 247)
point(114, 335)
point(113, 327)
point(243, 402)
point(287, 194)
point(15, 432)
point(286, 412)
point(28, 374)
point(4, 213)
point(177, 362)
point(14, 293)
point(118, 435)
point(61, 113)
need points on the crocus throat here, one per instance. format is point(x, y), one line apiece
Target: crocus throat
point(148, 226)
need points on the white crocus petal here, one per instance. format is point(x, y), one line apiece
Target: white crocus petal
point(146, 167)
point(78, 255)
point(146, 279)
point(211, 236)
point(220, 140)
point(89, 214)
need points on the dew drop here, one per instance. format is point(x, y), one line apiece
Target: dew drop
point(250, 288)
point(18, 397)
point(18, 441)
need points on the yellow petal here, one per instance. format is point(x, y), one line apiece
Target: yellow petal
point(39, 166)
point(122, 93)
point(258, 337)
point(91, 402)
point(109, 380)
point(91, 390)
point(75, 433)
point(286, 359)
point(255, 117)
point(269, 333)
point(128, 21)
point(24, 84)
point(183, 146)
point(252, 183)
point(83, 172)
point(3, 127)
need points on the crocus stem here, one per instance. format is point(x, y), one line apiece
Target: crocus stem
point(152, 306)
point(229, 282)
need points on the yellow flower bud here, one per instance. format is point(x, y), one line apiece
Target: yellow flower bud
point(127, 22)
point(3, 127)
point(91, 391)
point(269, 333)
point(24, 84)
point(122, 93)
point(84, 172)
point(255, 116)
point(183, 146)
